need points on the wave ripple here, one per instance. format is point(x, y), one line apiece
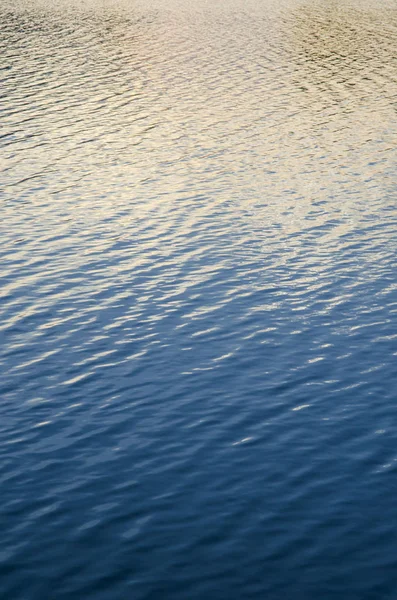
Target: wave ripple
point(198, 299)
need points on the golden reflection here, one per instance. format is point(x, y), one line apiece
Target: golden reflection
point(346, 52)
point(283, 117)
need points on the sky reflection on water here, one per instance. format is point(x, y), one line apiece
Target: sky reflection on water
point(198, 298)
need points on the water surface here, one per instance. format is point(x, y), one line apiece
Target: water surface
point(198, 326)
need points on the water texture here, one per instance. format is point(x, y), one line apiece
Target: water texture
point(198, 316)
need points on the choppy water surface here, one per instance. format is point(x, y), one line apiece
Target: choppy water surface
point(198, 308)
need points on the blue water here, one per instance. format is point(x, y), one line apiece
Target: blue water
point(198, 316)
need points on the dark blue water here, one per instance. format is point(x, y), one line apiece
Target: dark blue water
point(198, 316)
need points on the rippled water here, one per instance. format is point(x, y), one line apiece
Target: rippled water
point(198, 312)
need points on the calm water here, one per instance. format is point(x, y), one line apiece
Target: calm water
point(198, 244)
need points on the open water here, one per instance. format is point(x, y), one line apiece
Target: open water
point(198, 315)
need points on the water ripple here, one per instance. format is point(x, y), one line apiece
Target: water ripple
point(198, 297)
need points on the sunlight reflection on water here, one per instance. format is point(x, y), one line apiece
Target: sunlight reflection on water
point(198, 299)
